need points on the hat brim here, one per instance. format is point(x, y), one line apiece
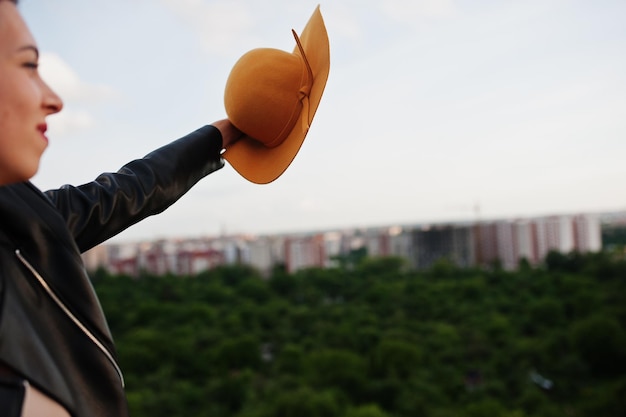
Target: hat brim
point(260, 164)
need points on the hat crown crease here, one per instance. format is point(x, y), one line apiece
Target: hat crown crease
point(302, 105)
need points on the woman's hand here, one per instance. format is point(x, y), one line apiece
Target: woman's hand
point(230, 134)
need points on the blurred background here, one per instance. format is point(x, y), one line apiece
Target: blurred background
point(462, 183)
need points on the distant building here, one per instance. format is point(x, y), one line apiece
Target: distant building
point(400, 242)
point(451, 242)
point(192, 262)
point(506, 236)
point(483, 243)
point(266, 252)
point(526, 236)
point(334, 245)
point(554, 233)
point(304, 252)
point(587, 233)
point(96, 257)
point(377, 242)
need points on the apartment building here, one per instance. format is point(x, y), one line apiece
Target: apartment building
point(452, 242)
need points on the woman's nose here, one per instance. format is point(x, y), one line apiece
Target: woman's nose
point(51, 101)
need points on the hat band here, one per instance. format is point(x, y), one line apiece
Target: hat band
point(309, 78)
point(306, 121)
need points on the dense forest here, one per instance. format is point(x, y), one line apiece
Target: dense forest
point(374, 339)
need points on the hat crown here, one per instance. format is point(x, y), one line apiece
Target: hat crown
point(266, 92)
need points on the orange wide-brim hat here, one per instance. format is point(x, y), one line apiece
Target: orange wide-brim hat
point(271, 96)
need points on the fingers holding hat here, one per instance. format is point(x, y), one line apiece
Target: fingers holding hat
point(230, 134)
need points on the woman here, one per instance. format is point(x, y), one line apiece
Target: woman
point(57, 357)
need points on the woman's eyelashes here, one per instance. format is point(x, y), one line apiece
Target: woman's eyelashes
point(31, 65)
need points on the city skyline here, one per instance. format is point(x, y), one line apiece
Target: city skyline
point(505, 242)
point(432, 107)
point(605, 217)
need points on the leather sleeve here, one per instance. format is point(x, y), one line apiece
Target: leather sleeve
point(98, 210)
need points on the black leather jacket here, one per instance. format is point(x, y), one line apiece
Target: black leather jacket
point(52, 329)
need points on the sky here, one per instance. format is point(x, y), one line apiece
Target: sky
point(434, 110)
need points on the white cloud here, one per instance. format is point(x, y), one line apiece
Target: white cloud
point(66, 82)
point(70, 121)
point(74, 92)
point(341, 20)
point(407, 10)
point(220, 24)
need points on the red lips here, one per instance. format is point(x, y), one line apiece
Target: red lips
point(42, 128)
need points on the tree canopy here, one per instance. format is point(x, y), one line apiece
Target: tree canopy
point(371, 338)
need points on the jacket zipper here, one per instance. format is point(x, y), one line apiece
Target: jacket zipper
point(69, 314)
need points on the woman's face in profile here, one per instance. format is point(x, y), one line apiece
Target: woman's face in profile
point(25, 100)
